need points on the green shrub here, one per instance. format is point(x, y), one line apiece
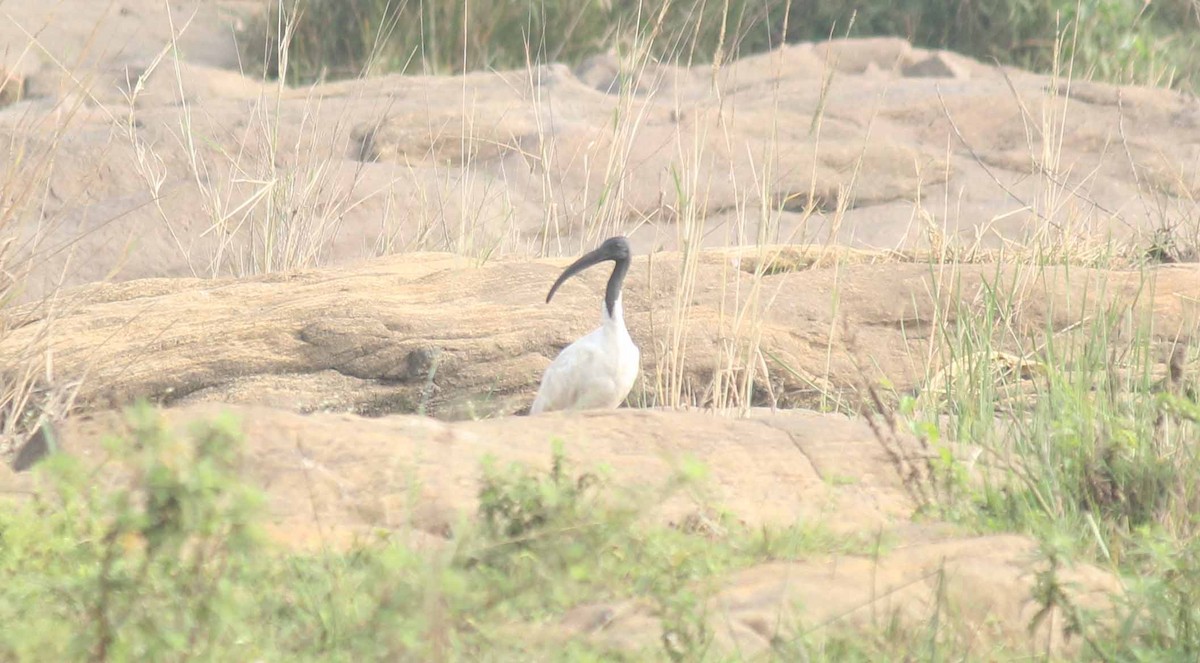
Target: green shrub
point(151, 568)
point(160, 560)
point(1091, 441)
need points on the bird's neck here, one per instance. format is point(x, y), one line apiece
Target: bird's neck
point(612, 295)
point(614, 314)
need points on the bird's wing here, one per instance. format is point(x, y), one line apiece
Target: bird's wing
point(598, 392)
point(569, 378)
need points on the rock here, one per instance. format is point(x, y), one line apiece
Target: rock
point(937, 65)
point(332, 479)
point(41, 443)
point(363, 339)
point(355, 473)
point(524, 162)
point(12, 88)
point(979, 586)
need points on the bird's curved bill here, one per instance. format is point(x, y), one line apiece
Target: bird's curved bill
point(587, 260)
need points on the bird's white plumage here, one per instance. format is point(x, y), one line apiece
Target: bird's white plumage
point(595, 372)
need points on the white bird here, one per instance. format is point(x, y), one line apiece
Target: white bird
point(598, 370)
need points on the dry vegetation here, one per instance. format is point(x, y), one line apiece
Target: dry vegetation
point(1081, 435)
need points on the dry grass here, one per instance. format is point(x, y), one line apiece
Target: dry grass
point(270, 206)
point(31, 394)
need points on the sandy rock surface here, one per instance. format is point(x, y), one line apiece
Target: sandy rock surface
point(915, 148)
point(328, 261)
point(442, 335)
point(983, 581)
point(338, 475)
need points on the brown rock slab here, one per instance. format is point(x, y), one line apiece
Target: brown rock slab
point(437, 334)
point(978, 588)
point(937, 65)
point(350, 474)
point(869, 143)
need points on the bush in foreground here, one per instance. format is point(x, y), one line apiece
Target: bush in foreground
point(164, 562)
point(161, 560)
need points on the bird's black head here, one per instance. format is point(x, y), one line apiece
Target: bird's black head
point(615, 249)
